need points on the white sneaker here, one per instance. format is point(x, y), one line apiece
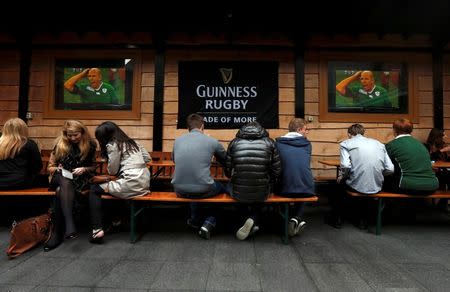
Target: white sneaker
point(295, 225)
point(245, 230)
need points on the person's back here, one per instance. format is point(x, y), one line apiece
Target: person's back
point(296, 177)
point(413, 167)
point(415, 171)
point(20, 161)
point(130, 166)
point(252, 163)
point(295, 156)
point(367, 161)
point(20, 171)
point(192, 154)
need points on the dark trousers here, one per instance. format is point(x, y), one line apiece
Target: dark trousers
point(196, 214)
point(95, 206)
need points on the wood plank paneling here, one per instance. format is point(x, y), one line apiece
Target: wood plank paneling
point(45, 130)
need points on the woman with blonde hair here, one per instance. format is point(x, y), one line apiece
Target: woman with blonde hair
point(20, 159)
point(71, 165)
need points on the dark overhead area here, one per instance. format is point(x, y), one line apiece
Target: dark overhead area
point(379, 16)
point(296, 19)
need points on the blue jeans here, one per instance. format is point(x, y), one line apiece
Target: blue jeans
point(217, 188)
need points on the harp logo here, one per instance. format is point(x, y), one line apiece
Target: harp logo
point(227, 74)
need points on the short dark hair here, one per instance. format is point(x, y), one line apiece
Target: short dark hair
point(194, 121)
point(296, 123)
point(356, 129)
point(402, 126)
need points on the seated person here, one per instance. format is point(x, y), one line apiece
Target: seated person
point(364, 162)
point(252, 165)
point(438, 149)
point(128, 173)
point(20, 159)
point(74, 152)
point(413, 172)
point(296, 178)
point(192, 154)
point(436, 145)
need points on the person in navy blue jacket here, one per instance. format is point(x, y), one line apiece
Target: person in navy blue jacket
point(296, 176)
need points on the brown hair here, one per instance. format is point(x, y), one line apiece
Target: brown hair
point(402, 126)
point(194, 121)
point(436, 139)
point(296, 123)
point(356, 129)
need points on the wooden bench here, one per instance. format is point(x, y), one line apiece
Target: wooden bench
point(387, 195)
point(39, 191)
point(222, 198)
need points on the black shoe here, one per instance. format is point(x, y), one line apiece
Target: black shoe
point(71, 236)
point(115, 227)
point(53, 242)
point(194, 223)
point(334, 222)
point(442, 206)
point(97, 236)
point(255, 228)
point(205, 230)
point(363, 224)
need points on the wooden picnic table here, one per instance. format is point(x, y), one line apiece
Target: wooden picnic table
point(331, 162)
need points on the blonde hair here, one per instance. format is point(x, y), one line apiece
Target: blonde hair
point(14, 136)
point(62, 143)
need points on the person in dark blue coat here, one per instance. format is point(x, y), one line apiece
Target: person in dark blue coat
point(296, 177)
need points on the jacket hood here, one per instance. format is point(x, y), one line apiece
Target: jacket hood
point(252, 132)
point(296, 142)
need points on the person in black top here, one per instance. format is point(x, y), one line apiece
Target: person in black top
point(20, 159)
point(71, 165)
point(253, 165)
point(439, 151)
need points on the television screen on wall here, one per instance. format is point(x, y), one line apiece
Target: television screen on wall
point(367, 87)
point(94, 84)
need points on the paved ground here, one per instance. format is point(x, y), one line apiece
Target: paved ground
point(169, 257)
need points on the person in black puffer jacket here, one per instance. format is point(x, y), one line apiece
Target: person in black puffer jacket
point(252, 165)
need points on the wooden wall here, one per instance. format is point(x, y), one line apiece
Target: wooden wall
point(9, 85)
point(446, 85)
point(325, 137)
point(285, 80)
point(45, 129)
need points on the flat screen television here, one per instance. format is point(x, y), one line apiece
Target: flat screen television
point(76, 90)
point(367, 87)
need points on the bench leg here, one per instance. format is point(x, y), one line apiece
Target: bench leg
point(285, 216)
point(132, 223)
point(134, 213)
point(379, 210)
